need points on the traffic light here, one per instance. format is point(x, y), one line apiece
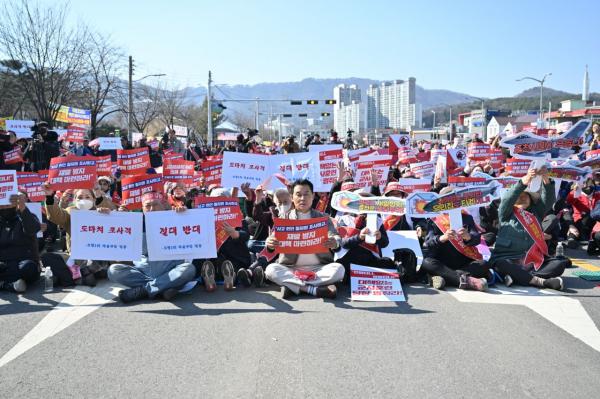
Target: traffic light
point(296, 102)
point(330, 102)
point(287, 115)
point(302, 115)
point(312, 102)
point(325, 113)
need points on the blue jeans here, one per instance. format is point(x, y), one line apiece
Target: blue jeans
point(155, 277)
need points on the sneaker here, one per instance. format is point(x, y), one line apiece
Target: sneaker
point(244, 277)
point(555, 283)
point(286, 293)
point(133, 294)
point(170, 294)
point(438, 282)
point(472, 283)
point(207, 272)
point(228, 275)
point(508, 281)
point(327, 291)
point(258, 276)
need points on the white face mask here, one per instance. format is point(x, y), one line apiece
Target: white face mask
point(84, 204)
point(283, 208)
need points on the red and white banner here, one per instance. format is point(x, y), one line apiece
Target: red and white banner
point(133, 162)
point(395, 142)
point(104, 166)
point(478, 152)
point(31, 183)
point(463, 181)
point(423, 170)
point(13, 156)
point(212, 171)
point(133, 187)
point(306, 236)
point(179, 170)
point(413, 185)
point(375, 285)
point(407, 155)
point(75, 134)
point(8, 185)
point(72, 172)
point(517, 167)
point(226, 210)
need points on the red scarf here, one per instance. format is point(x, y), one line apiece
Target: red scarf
point(443, 223)
point(532, 226)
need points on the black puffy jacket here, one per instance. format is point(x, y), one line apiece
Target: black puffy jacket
point(18, 236)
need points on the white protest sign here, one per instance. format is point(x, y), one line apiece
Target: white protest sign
point(372, 284)
point(36, 209)
point(110, 143)
point(174, 235)
point(455, 217)
point(294, 166)
point(240, 168)
point(406, 239)
point(380, 164)
point(21, 128)
point(116, 236)
point(180, 131)
point(8, 185)
point(324, 147)
point(328, 161)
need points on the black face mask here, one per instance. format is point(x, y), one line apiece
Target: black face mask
point(8, 213)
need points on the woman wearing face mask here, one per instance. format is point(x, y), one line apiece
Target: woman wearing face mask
point(83, 199)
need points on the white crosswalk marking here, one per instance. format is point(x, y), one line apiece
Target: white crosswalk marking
point(76, 305)
point(566, 313)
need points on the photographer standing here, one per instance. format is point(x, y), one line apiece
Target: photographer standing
point(42, 148)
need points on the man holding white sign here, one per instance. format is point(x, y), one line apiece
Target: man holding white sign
point(148, 279)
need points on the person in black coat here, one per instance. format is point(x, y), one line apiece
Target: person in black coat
point(18, 251)
point(446, 264)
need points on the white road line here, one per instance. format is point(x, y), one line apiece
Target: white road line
point(76, 305)
point(566, 313)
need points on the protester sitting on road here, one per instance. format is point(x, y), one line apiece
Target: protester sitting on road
point(149, 279)
point(520, 253)
point(451, 257)
point(18, 245)
point(321, 268)
point(84, 199)
point(233, 257)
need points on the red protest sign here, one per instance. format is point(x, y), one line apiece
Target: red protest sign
point(134, 186)
point(72, 172)
point(517, 167)
point(406, 155)
point(75, 134)
point(306, 236)
point(104, 166)
point(13, 156)
point(464, 181)
point(133, 162)
point(211, 170)
point(178, 170)
point(497, 158)
point(226, 210)
point(31, 183)
point(478, 151)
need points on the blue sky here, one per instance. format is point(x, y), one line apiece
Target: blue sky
point(476, 47)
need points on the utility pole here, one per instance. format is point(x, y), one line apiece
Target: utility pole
point(130, 106)
point(209, 128)
point(256, 119)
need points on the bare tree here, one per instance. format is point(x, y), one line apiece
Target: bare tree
point(98, 81)
point(171, 105)
point(51, 54)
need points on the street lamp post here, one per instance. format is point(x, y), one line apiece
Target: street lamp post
point(130, 106)
point(541, 82)
point(433, 124)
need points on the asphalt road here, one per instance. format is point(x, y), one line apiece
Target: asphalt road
point(509, 343)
